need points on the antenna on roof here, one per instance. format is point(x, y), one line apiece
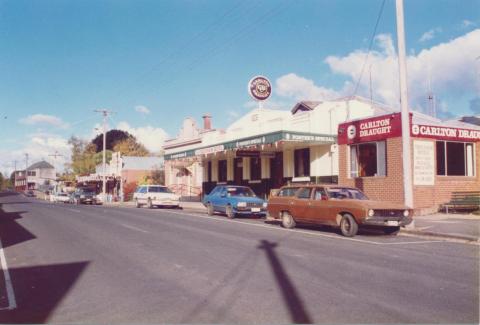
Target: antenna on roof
point(432, 110)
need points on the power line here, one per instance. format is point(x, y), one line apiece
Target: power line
point(369, 47)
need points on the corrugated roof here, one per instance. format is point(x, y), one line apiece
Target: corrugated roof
point(41, 165)
point(142, 163)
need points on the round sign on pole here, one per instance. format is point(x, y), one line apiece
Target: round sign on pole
point(259, 88)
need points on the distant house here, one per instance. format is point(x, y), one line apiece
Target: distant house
point(39, 175)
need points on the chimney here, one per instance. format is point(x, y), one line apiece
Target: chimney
point(207, 121)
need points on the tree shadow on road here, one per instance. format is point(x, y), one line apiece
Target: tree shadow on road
point(38, 290)
point(11, 232)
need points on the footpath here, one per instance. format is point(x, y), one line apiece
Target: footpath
point(453, 226)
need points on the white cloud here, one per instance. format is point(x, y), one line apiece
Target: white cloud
point(152, 138)
point(142, 109)
point(299, 88)
point(40, 146)
point(42, 119)
point(451, 66)
point(430, 34)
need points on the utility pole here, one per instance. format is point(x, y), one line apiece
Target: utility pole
point(26, 171)
point(14, 175)
point(105, 114)
point(407, 161)
point(55, 155)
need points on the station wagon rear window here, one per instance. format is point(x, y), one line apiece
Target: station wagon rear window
point(346, 193)
point(288, 191)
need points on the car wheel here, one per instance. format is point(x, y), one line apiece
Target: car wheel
point(391, 230)
point(210, 210)
point(229, 212)
point(137, 205)
point(149, 203)
point(348, 225)
point(288, 221)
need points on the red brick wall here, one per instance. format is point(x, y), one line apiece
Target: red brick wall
point(390, 188)
point(134, 176)
point(387, 188)
point(426, 197)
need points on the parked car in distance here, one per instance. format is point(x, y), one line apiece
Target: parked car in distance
point(343, 207)
point(60, 197)
point(155, 195)
point(29, 193)
point(83, 196)
point(234, 200)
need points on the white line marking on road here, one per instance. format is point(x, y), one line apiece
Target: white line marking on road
point(12, 302)
point(134, 228)
point(73, 210)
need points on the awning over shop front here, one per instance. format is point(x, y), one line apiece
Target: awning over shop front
point(262, 139)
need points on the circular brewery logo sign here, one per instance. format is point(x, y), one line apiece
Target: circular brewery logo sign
point(415, 129)
point(351, 131)
point(259, 88)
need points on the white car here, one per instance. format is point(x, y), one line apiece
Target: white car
point(155, 195)
point(61, 197)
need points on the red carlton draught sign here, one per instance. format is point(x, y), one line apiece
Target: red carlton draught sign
point(444, 133)
point(389, 126)
point(371, 129)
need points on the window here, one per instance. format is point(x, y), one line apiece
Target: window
point(304, 193)
point(222, 170)
point(255, 168)
point(302, 162)
point(288, 191)
point(31, 173)
point(158, 189)
point(368, 159)
point(320, 194)
point(209, 171)
point(455, 159)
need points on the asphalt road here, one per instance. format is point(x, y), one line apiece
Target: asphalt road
point(92, 264)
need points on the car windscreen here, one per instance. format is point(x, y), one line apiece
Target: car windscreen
point(346, 193)
point(158, 189)
point(240, 191)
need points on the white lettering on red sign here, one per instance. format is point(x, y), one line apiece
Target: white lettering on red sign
point(375, 127)
point(438, 131)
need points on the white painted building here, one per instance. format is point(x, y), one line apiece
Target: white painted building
point(267, 148)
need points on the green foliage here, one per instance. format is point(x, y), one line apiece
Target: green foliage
point(112, 138)
point(130, 147)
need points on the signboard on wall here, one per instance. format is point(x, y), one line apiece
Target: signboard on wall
point(423, 163)
point(445, 133)
point(370, 129)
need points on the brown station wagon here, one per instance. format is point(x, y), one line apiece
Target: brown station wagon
point(333, 205)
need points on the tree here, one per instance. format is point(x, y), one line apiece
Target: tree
point(131, 147)
point(113, 137)
point(158, 176)
point(83, 156)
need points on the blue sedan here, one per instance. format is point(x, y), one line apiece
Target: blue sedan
point(234, 200)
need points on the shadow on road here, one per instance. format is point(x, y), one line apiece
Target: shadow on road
point(294, 303)
point(39, 289)
point(11, 232)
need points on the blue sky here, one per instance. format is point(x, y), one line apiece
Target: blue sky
point(156, 62)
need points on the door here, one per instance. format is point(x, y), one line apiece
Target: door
point(300, 204)
point(237, 171)
point(276, 170)
point(319, 208)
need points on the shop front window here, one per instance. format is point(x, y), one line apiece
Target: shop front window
point(368, 159)
point(302, 162)
point(222, 170)
point(455, 159)
point(255, 168)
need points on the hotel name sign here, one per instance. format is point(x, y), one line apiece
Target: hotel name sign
point(390, 126)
